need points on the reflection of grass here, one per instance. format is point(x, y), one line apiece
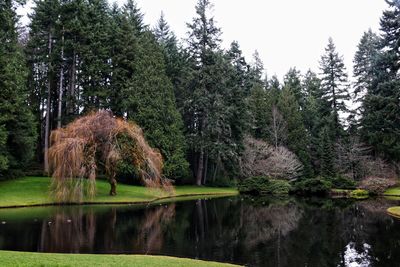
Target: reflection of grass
point(35, 191)
point(39, 213)
point(395, 191)
point(8, 258)
point(394, 211)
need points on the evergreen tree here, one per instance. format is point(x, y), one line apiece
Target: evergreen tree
point(364, 62)
point(260, 108)
point(381, 118)
point(143, 91)
point(274, 89)
point(297, 139)
point(17, 127)
point(239, 93)
point(334, 83)
point(326, 151)
point(203, 44)
point(315, 114)
point(94, 56)
point(292, 80)
point(176, 60)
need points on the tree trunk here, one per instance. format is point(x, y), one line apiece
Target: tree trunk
point(48, 102)
point(200, 167)
point(113, 183)
point(60, 93)
point(71, 95)
point(215, 169)
point(205, 169)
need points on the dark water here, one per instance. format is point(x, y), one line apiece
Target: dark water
point(258, 232)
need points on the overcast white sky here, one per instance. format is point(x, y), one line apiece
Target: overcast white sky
point(289, 33)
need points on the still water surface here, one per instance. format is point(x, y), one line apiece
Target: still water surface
point(254, 232)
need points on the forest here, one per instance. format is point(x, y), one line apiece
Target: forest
point(214, 115)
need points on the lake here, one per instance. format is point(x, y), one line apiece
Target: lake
point(242, 230)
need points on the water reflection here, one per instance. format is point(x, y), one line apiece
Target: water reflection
point(68, 231)
point(255, 232)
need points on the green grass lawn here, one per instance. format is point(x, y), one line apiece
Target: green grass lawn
point(11, 258)
point(395, 191)
point(394, 211)
point(35, 191)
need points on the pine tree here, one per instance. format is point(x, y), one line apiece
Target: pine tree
point(176, 60)
point(297, 138)
point(292, 80)
point(203, 44)
point(364, 62)
point(239, 93)
point(326, 151)
point(255, 73)
point(43, 59)
point(17, 127)
point(315, 115)
point(143, 92)
point(381, 117)
point(94, 56)
point(334, 83)
point(260, 109)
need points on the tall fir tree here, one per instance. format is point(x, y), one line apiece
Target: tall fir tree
point(381, 120)
point(144, 92)
point(334, 84)
point(292, 80)
point(203, 44)
point(364, 63)
point(315, 114)
point(17, 127)
point(289, 104)
point(176, 60)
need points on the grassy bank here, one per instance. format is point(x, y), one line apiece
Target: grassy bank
point(35, 191)
point(11, 258)
point(394, 211)
point(395, 191)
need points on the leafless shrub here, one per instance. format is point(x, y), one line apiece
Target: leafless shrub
point(379, 168)
point(377, 185)
point(354, 160)
point(261, 159)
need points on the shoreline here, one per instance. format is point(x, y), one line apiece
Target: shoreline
point(91, 203)
point(34, 192)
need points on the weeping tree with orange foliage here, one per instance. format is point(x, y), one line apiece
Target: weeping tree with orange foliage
point(100, 140)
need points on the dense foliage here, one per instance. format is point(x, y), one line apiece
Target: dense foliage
point(263, 185)
point(213, 116)
point(314, 186)
point(17, 127)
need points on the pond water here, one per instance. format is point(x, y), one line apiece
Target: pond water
point(254, 232)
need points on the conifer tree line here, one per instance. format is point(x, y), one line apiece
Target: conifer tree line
point(196, 101)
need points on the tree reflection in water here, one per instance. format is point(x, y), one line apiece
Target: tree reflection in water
point(69, 231)
point(150, 238)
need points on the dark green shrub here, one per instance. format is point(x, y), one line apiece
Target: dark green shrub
point(253, 185)
point(341, 182)
point(313, 186)
point(278, 187)
point(223, 182)
point(261, 185)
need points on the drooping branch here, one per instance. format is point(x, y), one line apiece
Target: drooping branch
point(78, 149)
